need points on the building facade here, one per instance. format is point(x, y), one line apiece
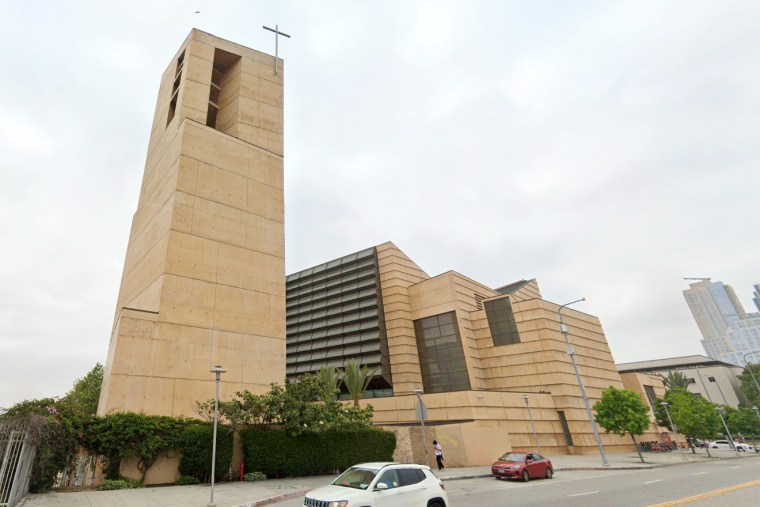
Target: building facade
point(728, 332)
point(709, 378)
point(475, 352)
point(204, 275)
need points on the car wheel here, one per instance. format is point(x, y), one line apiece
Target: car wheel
point(435, 504)
point(549, 473)
point(525, 476)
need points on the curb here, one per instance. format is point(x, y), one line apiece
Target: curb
point(461, 477)
point(559, 469)
point(274, 499)
point(642, 466)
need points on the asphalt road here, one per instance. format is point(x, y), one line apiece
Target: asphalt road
point(731, 482)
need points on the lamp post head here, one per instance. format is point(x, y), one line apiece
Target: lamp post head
point(755, 409)
point(525, 397)
point(665, 404)
point(418, 391)
point(218, 370)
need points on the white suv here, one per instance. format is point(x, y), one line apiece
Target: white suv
point(725, 444)
point(381, 485)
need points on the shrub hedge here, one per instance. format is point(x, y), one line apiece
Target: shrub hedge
point(278, 455)
point(120, 483)
point(197, 447)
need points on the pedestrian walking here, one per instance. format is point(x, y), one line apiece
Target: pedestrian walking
point(438, 454)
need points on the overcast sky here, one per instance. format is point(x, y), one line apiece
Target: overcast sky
point(606, 148)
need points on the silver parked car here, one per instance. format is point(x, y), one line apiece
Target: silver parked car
point(381, 485)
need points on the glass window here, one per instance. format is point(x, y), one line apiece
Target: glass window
point(390, 478)
point(565, 428)
point(649, 390)
point(501, 321)
point(358, 478)
point(410, 476)
point(442, 360)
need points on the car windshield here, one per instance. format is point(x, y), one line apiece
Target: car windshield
point(357, 478)
point(513, 456)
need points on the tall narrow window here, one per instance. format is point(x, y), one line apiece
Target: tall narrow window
point(501, 321)
point(224, 91)
point(175, 88)
point(442, 362)
point(649, 390)
point(213, 97)
point(565, 428)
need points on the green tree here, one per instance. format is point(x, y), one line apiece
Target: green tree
point(693, 416)
point(356, 378)
point(54, 432)
point(83, 397)
point(675, 379)
point(55, 426)
point(298, 406)
point(330, 378)
point(124, 435)
point(623, 412)
point(744, 422)
point(748, 385)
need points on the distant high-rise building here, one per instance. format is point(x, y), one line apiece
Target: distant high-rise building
point(756, 296)
point(728, 332)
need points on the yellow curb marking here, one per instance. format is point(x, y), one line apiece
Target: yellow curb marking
point(708, 494)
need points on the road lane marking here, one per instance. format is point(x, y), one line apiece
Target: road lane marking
point(700, 473)
point(650, 482)
point(586, 493)
point(737, 466)
point(707, 495)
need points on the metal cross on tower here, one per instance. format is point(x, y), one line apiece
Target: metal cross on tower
point(277, 34)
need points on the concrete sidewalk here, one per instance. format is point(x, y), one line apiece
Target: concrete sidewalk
point(251, 494)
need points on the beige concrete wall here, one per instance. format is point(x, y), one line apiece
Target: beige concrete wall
point(165, 470)
point(397, 274)
point(204, 274)
point(476, 426)
point(538, 366)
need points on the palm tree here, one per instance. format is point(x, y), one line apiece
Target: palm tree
point(329, 378)
point(356, 379)
point(676, 379)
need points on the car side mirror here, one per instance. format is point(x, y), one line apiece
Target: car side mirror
point(528, 460)
point(381, 485)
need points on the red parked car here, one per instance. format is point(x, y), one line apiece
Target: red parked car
point(522, 465)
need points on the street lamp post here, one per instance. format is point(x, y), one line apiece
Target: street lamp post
point(571, 353)
point(530, 416)
point(418, 391)
point(749, 367)
point(218, 371)
point(728, 433)
point(665, 405)
point(757, 411)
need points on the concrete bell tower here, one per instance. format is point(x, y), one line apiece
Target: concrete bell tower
point(204, 275)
